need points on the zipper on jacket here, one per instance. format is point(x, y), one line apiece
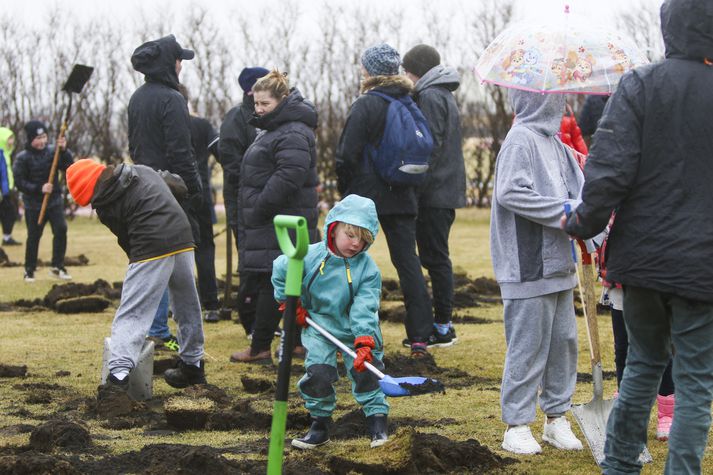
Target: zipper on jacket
point(320, 270)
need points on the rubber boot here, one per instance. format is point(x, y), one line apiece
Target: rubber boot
point(185, 375)
point(378, 429)
point(665, 410)
point(318, 434)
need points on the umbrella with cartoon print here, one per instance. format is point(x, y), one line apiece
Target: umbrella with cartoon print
point(567, 56)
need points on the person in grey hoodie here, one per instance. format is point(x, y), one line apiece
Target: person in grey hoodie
point(444, 189)
point(535, 177)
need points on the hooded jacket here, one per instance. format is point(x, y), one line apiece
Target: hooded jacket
point(236, 135)
point(31, 170)
point(535, 176)
point(137, 205)
point(445, 179)
point(651, 161)
point(346, 311)
point(278, 175)
point(8, 180)
point(365, 125)
point(159, 123)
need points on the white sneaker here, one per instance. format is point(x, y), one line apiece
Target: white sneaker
point(519, 440)
point(60, 273)
point(559, 434)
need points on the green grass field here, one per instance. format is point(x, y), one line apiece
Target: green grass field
point(48, 342)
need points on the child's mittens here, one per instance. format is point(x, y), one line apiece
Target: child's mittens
point(363, 346)
point(300, 314)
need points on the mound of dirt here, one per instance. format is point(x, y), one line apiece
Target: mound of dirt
point(257, 385)
point(188, 413)
point(113, 402)
point(208, 391)
point(352, 425)
point(9, 371)
point(243, 416)
point(89, 304)
point(401, 365)
point(70, 290)
point(65, 434)
point(32, 463)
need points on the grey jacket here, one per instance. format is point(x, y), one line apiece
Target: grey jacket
point(445, 181)
point(535, 176)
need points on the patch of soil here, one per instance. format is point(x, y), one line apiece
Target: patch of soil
point(352, 425)
point(62, 373)
point(16, 429)
point(56, 433)
point(161, 364)
point(113, 402)
point(88, 304)
point(400, 365)
point(9, 371)
point(187, 413)
point(58, 292)
point(243, 416)
point(395, 314)
point(38, 386)
point(32, 463)
point(208, 391)
point(471, 319)
point(39, 397)
point(464, 298)
point(428, 386)
point(587, 377)
point(257, 385)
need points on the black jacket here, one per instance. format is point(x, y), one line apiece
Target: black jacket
point(651, 160)
point(591, 113)
point(365, 125)
point(445, 179)
point(204, 139)
point(236, 135)
point(159, 124)
point(137, 205)
point(32, 169)
point(278, 175)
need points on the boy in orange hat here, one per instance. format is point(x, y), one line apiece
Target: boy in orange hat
point(139, 206)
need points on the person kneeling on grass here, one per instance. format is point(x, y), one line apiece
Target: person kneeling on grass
point(138, 205)
point(341, 290)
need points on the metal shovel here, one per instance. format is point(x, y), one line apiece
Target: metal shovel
point(394, 387)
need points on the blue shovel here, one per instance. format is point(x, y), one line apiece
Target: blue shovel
point(393, 387)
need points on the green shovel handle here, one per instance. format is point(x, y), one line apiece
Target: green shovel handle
point(294, 252)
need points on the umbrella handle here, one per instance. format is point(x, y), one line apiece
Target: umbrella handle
point(342, 346)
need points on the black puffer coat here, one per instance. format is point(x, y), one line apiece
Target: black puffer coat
point(651, 160)
point(159, 124)
point(365, 125)
point(31, 170)
point(137, 205)
point(278, 175)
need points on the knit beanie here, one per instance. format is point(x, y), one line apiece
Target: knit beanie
point(34, 128)
point(420, 59)
point(82, 177)
point(381, 60)
point(249, 76)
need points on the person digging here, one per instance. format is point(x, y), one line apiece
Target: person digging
point(139, 205)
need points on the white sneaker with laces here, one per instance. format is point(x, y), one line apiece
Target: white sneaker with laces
point(559, 434)
point(60, 273)
point(519, 440)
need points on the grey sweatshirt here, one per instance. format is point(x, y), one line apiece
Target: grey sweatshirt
point(535, 176)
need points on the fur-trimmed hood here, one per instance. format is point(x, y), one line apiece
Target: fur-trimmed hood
point(397, 81)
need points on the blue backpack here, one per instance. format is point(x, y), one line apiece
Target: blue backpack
point(402, 156)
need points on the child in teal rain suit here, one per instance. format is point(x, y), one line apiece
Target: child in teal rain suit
point(341, 290)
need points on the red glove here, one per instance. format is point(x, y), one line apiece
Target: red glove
point(363, 346)
point(300, 314)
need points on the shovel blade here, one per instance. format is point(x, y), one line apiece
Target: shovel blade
point(78, 78)
point(592, 419)
point(409, 386)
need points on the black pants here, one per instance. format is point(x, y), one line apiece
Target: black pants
point(55, 216)
point(400, 233)
point(621, 348)
point(8, 213)
point(205, 257)
point(433, 227)
point(257, 286)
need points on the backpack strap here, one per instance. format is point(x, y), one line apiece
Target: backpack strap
point(382, 95)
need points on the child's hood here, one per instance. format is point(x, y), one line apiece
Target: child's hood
point(355, 210)
point(5, 135)
point(541, 113)
point(109, 190)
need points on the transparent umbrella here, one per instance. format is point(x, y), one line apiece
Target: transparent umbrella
point(566, 55)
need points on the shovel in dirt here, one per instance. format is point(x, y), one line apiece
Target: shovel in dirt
point(293, 288)
point(593, 416)
point(75, 83)
point(394, 387)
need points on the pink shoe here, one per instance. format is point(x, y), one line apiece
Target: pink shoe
point(665, 414)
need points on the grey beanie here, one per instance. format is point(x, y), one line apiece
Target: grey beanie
point(420, 59)
point(381, 60)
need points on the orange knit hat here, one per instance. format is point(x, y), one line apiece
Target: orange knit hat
point(82, 177)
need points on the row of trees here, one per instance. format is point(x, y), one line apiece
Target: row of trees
point(319, 46)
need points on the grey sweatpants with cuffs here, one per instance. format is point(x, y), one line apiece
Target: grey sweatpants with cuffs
point(541, 336)
point(141, 293)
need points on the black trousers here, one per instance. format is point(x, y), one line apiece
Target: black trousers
point(8, 212)
point(205, 257)
point(400, 233)
point(433, 226)
point(55, 216)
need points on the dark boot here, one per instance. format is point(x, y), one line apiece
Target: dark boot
point(318, 434)
point(184, 375)
point(378, 428)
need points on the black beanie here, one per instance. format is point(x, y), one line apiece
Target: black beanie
point(420, 59)
point(34, 128)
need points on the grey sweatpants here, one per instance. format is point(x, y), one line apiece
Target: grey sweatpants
point(143, 288)
point(541, 336)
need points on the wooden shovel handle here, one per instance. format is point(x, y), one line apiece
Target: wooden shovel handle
point(53, 172)
point(590, 304)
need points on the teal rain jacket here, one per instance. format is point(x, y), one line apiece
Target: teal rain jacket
point(340, 294)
